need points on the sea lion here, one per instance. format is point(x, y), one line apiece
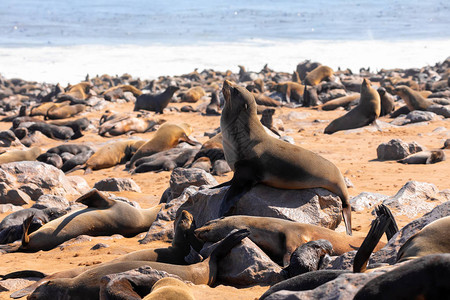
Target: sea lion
point(71, 148)
point(155, 103)
point(318, 74)
point(65, 112)
point(20, 155)
point(56, 132)
point(277, 237)
point(132, 125)
point(166, 137)
point(340, 102)
point(117, 152)
point(76, 160)
point(214, 105)
point(76, 92)
point(116, 92)
point(432, 239)
point(262, 99)
point(82, 123)
point(103, 216)
point(165, 160)
point(11, 228)
point(255, 157)
point(193, 94)
point(170, 289)
point(413, 100)
point(424, 157)
point(446, 144)
point(267, 120)
point(290, 90)
point(51, 159)
point(387, 102)
point(87, 284)
point(423, 278)
point(365, 113)
point(42, 109)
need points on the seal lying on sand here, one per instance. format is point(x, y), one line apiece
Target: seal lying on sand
point(424, 157)
point(277, 237)
point(254, 156)
point(20, 155)
point(87, 284)
point(167, 136)
point(367, 111)
point(103, 216)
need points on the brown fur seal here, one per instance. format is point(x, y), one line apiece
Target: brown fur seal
point(291, 90)
point(76, 92)
point(116, 92)
point(87, 284)
point(277, 237)
point(117, 152)
point(424, 157)
point(432, 239)
point(387, 102)
point(267, 120)
point(318, 74)
point(213, 107)
point(155, 103)
point(262, 99)
point(166, 137)
point(20, 155)
point(65, 112)
point(170, 288)
point(103, 216)
point(365, 113)
point(42, 109)
point(255, 157)
point(413, 100)
point(131, 125)
point(340, 102)
point(193, 94)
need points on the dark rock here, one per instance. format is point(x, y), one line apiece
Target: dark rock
point(396, 149)
point(117, 185)
point(47, 201)
point(182, 178)
point(443, 110)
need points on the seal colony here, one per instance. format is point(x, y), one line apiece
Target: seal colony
point(120, 133)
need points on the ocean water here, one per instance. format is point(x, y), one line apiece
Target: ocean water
point(62, 41)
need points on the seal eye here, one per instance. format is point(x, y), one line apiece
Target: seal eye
point(246, 106)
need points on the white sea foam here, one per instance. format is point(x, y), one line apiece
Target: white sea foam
point(72, 63)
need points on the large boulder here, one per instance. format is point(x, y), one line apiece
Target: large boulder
point(35, 179)
point(315, 206)
point(366, 200)
point(182, 178)
point(397, 149)
point(117, 185)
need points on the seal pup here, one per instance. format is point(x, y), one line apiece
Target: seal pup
point(256, 157)
point(413, 99)
point(167, 136)
point(424, 157)
point(387, 102)
point(365, 113)
point(87, 284)
point(277, 237)
point(214, 105)
point(103, 216)
point(20, 155)
point(267, 120)
point(155, 103)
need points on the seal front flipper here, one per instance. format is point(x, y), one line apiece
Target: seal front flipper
point(347, 215)
point(244, 178)
point(392, 228)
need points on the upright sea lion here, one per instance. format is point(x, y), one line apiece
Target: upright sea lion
point(318, 74)
point(65, 112)
point(387, 102)
point(214, 106)
point(20, 155)
point(424, 157)
point(255, 157)
point(117, 152)
point(267, 120)
point(277, 237)
point(166, 137)
point(155, 103)
point(365, 113)
point(413, 100)
point(87, 284)
point(103, 216)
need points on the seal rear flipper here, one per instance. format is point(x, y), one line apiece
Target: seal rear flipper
point(392, 228)
point(26, 226)
point(347, 215)
point(228, 243)
point(377, 229)
point(27, 290)
point(95, 199)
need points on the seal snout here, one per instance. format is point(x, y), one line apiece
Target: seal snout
point(226, 90)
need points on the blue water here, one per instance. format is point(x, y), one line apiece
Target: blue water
point(147, 22)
